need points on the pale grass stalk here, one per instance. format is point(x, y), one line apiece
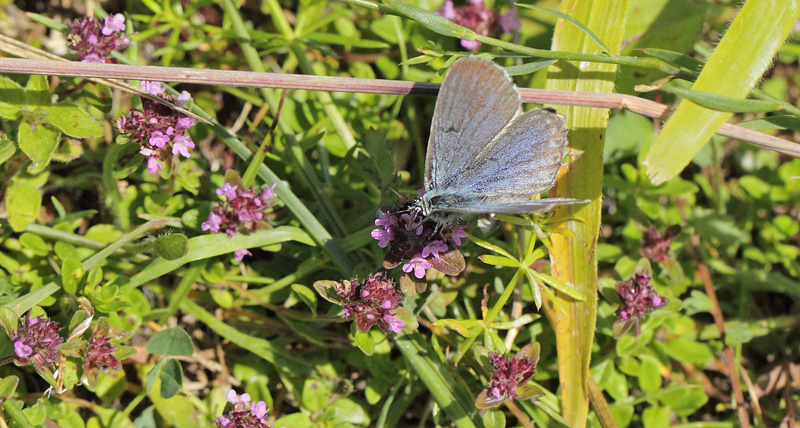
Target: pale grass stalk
point(634, 104)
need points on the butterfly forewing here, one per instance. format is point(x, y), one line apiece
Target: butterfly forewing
point(475, 103)
point(523, 159)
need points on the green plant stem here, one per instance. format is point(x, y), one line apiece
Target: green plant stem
point(16, 414)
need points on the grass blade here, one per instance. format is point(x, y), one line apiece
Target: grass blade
point(737, 64)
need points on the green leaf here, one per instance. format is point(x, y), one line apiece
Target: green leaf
point(336, 39)
point(364, 341)
point(38, 143)
point(572, 21)
point(171, 378)
point(94, 278)
point(649, 376)
point(494, 419)
point(432, 21)
point(171, 342)
point(7, 148)
point(34, 243)
point(773, 122)
point(207, 246)
point(71, 274)
point(466, 328)
point(557, 284)
point(73, 121)
point(491, 259)
point(689, 351)
point(7, 386)
point(37, 92)
point(22, 204)
point(9, 320)
point(723, 103)
point(12, 98)
point(733, 70)
point(307, 296)
point(451, 395)
point(491, 247)
point(519, 70)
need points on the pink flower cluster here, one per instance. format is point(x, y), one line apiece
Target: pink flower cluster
point(242, 209)
point(655, 246)
point(94, 41)
point(158, 128)
point(638, 298)
point(243, 414)
point(509, 375)
point(373, 301)
point(411, 237)
point(477, 18)
point(99, 354)
point(36, 341)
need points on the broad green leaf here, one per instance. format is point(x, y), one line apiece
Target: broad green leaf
point(73, 121)
point(37, 92)
point(315, 395)
point(22, 204)
point(171, 378)
point(7, 147)
point(494, 419)
point(735, 67)
point(307, 296)
point(9, 320)
point(364, 341)
point(71, 274)
point(38, 143)
point(8, 385)
point(34, 243)
point(171, 342)
point(12, 98)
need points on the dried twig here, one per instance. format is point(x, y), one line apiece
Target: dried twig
point(370, 86)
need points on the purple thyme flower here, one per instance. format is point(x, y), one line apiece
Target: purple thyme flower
point(417, 264)
point(36, 341)
point(160, 130)
point(509, 375)
point(655, 246)
point(243, 413)
point(99, 353)
point(639, 298)
point(242, 208)
point(412, 237)
point(477, 18)
point(94, 41)
point(373, 301)
point(434, 248)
